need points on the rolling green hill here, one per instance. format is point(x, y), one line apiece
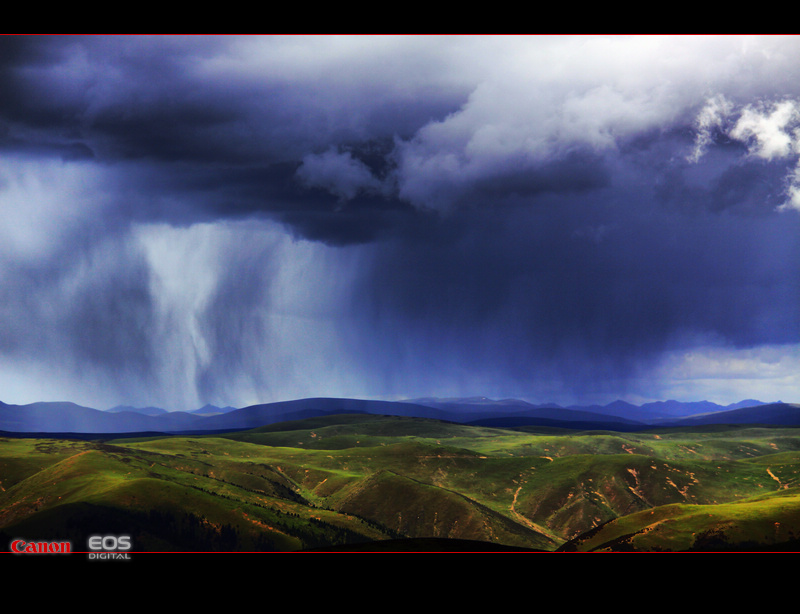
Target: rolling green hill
point(351, 480)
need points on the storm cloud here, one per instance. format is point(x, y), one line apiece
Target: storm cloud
point(237, 220)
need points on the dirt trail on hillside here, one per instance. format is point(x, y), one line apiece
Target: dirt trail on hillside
point(774, 477)
point(525, 521)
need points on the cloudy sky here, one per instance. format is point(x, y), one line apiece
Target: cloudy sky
point(191, 220)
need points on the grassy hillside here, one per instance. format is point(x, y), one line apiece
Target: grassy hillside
point(350, 480)
point(767, 523)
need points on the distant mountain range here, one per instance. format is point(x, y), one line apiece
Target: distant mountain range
point(618, 415)
point(65, 417)
point(206, 410)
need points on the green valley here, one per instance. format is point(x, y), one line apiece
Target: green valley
point(358, 481)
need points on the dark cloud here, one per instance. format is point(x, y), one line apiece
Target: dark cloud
point(232, 219)
point(233, 140)
point(650, 282)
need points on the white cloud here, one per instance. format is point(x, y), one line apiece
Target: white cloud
point(793, 191)
point(768, 130)
point(771, 131)
point(726, 375)
point(549, 95)
point(711, 118)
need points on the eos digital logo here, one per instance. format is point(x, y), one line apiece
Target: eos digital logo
point(106, 547)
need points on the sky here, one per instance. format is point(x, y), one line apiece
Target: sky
point(240, 220)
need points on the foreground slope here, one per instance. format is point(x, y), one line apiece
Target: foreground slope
point(170, 502)
point(767, 523)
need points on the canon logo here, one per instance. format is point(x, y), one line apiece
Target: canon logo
point(21, 546)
